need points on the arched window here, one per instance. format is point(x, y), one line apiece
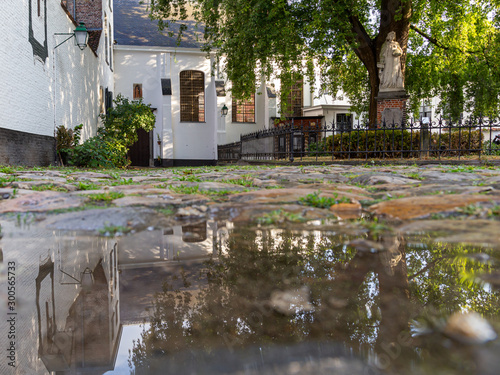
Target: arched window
point(244, 110)
point(192, 95)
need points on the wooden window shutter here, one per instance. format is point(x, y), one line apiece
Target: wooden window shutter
point(192, 88)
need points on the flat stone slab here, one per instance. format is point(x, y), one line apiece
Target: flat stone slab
point(276, 196)
point(40, 202)
point(137, 218)
point(415, 207)
point(378, 179)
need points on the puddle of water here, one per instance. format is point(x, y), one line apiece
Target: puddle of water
point(224, 298)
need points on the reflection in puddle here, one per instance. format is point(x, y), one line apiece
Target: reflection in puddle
point(222, 298)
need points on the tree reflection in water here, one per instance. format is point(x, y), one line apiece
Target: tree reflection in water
point(370, 301)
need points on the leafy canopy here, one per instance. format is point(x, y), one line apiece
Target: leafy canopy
point(450, 48)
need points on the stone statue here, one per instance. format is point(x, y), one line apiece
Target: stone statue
point(391, 78)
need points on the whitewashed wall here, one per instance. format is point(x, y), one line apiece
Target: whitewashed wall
point(63, 89)
point(147, 66)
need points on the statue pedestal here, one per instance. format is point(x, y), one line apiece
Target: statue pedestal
point(391, 107)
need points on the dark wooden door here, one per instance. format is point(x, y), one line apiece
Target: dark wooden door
point(140, 151)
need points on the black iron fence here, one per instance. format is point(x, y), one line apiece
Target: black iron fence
point(294, 140)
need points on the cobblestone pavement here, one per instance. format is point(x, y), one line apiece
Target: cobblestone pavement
point(392, 193)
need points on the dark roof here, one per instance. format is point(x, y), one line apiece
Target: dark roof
point(133, 27)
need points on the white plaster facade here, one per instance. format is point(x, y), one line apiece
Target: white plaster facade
point(186, 141)
point(61, 88)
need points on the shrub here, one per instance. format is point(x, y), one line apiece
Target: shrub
point(110, 146)
point(126, 117)
point(396, 143)
point(64, 141)
point(318, 148)
point(99, 151)
point(490, 148)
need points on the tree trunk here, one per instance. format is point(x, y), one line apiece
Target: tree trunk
point(394, 16)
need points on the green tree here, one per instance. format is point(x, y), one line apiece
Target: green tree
point(127, 116)
point(450, 48)
point(109, 147)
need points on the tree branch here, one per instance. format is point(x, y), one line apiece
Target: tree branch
point(437, 43)
point(360, 31)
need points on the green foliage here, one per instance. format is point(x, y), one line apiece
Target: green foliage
point(165, 211)
point(314, 200)
point(246, 180)
point(100, 151)
point(460, 64)
point(490, 148)
point(124, 119)
point(124, 181)
point(415, 176)
point(279, 217)
point(452, 48)
point(7, 169)
point(189, 178)
point(46, 187)
point(109, 147)
point(87, 186)
point(106, 197)
point(183, 189)
point(64, 138)
point(5, 181)
point(394, 142)
point(318, 148)
point(113, 230)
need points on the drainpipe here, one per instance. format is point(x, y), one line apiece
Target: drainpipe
point(74, 10)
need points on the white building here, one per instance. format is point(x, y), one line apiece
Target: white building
point(54, 83)
point(189, 91)
point(45, 86)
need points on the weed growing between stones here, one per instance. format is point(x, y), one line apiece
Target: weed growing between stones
point(165, 211)
point(182, 189)
point(415, 176)
point(8, 169)
point(75, 209)
point(314, 200)
point(124, 181)
point(280, 216)
point(5, 181)
point(87, 186)
point(113, 230)
point(190, 178)
point(51, 187)
point(245, 180)
point(105, 197)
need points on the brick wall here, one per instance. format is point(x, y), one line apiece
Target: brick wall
point(87, 11)
point(20, 148)
point(382, 104)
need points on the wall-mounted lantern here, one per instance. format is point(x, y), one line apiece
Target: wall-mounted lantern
point(81, 36)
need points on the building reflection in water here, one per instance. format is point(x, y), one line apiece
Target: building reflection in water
point(84, 288)
point(78, 326)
